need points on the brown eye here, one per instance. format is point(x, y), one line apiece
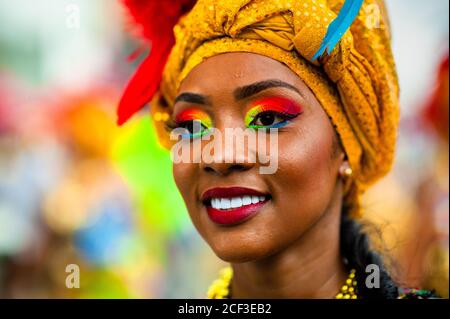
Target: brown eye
point(268, 119)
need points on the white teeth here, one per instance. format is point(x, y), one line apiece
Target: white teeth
point(235, 202)
point(225, 203)
point(246, 200)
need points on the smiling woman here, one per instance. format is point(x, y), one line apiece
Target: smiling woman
point(279, 68)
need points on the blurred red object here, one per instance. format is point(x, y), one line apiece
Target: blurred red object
point(6, 106)
point(156, 20)
point(436, 110)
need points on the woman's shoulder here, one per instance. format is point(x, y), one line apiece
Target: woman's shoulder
point(409, 293)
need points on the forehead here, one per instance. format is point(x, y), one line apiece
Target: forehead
point(230, 70)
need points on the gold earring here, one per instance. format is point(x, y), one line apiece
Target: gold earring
point(346, 172)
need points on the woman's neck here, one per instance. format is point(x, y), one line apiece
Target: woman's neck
point(312, 267)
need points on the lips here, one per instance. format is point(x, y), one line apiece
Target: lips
point(233, 205)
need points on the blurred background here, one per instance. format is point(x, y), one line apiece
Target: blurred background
point(76, 189)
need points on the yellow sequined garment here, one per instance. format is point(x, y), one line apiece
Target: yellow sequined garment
point(356, 84)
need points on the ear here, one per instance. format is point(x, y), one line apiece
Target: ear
point(342, 156)
point(160, 114)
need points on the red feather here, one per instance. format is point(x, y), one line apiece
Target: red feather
point(436, 109)
point(156, 19)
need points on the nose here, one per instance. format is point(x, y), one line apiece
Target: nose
point(229, 159)
point(224, 169)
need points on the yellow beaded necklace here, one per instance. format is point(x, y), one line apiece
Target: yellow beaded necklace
point(220, 288)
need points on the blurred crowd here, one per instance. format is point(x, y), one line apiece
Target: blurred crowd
point(77, 189)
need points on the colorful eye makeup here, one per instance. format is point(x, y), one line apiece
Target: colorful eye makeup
point(272, 112)
point(265, 113)
point(196, 121)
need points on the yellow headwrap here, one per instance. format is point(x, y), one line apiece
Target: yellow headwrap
point(356, 84)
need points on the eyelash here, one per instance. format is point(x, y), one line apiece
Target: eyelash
point(172, 125)
point(287, 117)
point(262, 110)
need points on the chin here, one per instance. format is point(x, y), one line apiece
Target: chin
point(237, 256)
point(240, 250)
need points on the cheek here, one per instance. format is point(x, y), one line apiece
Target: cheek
point(306, 158)
point(306, 177)
point(184, 176)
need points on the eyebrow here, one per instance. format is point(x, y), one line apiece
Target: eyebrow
point(192, 98)
point(252, 89)
point(239, 93)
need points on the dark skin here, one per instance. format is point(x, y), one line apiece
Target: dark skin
point(291, 248)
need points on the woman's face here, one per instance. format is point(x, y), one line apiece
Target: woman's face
point(271, 211)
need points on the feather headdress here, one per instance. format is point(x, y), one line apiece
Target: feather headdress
point(156, 19)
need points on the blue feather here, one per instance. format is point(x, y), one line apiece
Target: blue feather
point(339, 26)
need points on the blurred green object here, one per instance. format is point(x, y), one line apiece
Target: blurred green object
point(104, 284)
point(147, 168)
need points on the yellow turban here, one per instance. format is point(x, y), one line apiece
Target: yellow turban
point(356, 83)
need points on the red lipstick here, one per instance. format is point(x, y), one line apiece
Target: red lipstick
point(233, 205)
